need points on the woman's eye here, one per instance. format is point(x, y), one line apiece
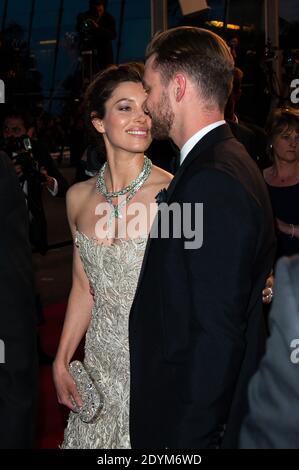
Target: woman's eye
point(125, 108)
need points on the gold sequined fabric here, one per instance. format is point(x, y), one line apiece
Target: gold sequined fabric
point(113, 272)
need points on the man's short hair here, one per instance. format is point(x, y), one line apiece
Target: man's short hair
point(201, 54)
point(21, 114)
point(94, 3)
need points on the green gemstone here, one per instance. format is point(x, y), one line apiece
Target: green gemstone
point(117, 213)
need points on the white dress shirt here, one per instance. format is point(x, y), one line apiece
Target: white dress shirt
point(188, 146)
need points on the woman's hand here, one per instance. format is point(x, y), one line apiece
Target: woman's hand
point(67, 393)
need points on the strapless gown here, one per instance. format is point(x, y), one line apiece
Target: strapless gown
point(113, 273)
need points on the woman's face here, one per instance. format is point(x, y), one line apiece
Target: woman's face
point(125, 126)
point(286, 145)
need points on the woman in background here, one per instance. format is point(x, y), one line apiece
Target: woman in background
point(282, 178)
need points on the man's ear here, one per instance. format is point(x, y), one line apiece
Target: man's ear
point(98, 124)
point(30, 132)
point(179, 86)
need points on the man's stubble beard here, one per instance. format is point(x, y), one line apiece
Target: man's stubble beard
point(162, 119)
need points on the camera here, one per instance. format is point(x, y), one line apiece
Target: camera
point(87, 29)
point(87, 25)
point(19, 149)
point(12, 145)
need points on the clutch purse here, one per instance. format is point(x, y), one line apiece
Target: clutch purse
point(93, 399)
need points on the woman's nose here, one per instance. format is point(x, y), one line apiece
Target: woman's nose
point(140, 116)
point(294, 141)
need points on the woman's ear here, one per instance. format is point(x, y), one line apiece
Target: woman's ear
point(98, 124)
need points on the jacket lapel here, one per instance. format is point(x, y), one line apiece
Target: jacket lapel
point(220, 133)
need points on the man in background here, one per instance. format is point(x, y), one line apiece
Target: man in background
point(96, 29)
point(272, 420)
point(18, 361)
point(35, 169)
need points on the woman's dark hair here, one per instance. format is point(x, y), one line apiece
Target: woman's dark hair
point(101, 89)
point(280, 120)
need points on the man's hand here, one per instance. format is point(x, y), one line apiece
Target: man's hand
point(18, 169)
point(95, 24)
point(268, 290)
point(49, 180)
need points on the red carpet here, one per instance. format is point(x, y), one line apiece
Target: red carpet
point(51, 416)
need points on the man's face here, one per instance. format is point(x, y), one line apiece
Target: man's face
point(100, 10)
point(157, 103)
point(13, 127)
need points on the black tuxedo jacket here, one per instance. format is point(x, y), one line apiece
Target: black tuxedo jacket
point(196, 325)
point(18, 367)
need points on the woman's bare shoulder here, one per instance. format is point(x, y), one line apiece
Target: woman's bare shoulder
point(160, 177)
point(79, 193)
point(81, 189)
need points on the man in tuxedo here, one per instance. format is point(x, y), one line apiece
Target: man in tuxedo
point(272, 421)
point(18, 361)
point(196, 325)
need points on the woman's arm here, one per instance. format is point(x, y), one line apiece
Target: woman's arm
point(76, 321)
point(288, 229)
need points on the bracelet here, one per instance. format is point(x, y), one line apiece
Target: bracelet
point(292, 230)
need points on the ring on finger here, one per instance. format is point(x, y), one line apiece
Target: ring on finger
point(271, 294)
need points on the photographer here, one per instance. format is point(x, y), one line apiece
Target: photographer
point(35, 170)
point(96, 29)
